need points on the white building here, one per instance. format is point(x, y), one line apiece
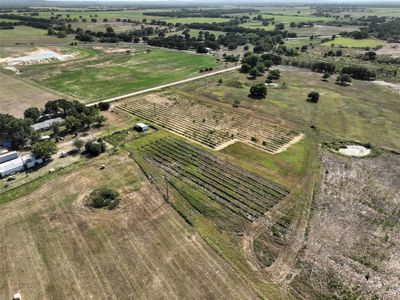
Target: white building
point(6, 156)
point(19, 164)
point(141, 127)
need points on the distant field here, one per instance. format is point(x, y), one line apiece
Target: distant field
point(196, 20)
point(352, 43)
point(296, 19)
point(112, 74)
point(17, 95)
point(28, 35)
point(55, 247)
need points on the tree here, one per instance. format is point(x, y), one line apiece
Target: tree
point(245, 68)
point(343, 79)
point(44, 150)
point(100, 120)
point(104, 106)
point(254, 73)
point(201, 49)
point(72, 124)
point(55, 128)
point(258, 90)
point(313, 97)
point(274, 74)
point(326, 76)
point(95, 147)
point(78, 144)
point(32, 113)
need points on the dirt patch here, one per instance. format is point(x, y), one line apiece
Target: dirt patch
point(393, 86)
point(392, 49)
point(17, 95)
point(353, 240)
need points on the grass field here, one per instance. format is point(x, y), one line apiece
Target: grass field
point(28, 35)
point(17, 95)
point(352, 43)
point(56, 247)
point(196, 20)
point(112, 74)
point(363, 111)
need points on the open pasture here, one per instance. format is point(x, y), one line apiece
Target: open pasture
point(212, 127)
point(114, 72)
point(353, 43)
point(17, 95)
point(28, 35)
point(55, 247)
point(363, 111)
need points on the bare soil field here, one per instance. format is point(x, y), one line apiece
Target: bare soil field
point(353, 242)
point(209, 125)
point(55, 247)
point(17, 95)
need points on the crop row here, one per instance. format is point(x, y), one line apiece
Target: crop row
point(237, 191)
point(210, 128)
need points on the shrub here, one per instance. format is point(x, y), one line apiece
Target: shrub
point(104, 106)
point(313, 97)
point(104, 197)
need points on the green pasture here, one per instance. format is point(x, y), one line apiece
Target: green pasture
point(113, 74)
point(28, 35)
point(353, 43)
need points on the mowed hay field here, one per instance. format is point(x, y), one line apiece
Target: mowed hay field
point(54, 247)
point(110, 73)
point(17, 95)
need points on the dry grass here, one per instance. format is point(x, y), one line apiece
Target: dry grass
point(55, 247)
point(17, 95)
point(353, 242)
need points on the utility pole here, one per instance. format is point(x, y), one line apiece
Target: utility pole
point(166, 186)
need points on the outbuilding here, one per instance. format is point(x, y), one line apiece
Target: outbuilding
point(141, 127)
point(7, 156)
point(45, 125)
point(11, 166)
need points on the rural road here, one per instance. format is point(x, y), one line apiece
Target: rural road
point(159, 87)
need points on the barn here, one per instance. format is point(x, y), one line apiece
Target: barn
point(6, 156)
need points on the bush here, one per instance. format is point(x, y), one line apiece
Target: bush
point(44, 150)
point(313, 97)
point(104, 197)
point(104, 106)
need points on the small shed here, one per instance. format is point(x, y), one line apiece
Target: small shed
point(141, 127)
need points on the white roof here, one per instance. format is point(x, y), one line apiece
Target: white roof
point(46, 124)
point(141, 125)
point(11, 164)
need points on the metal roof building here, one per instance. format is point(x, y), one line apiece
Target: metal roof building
point(46, 124)
point(11, 166)
point(8, 156)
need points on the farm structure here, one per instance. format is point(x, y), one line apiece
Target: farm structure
point(14, 164)
point(45, 125)
point(212, 127)
point(245, 194)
